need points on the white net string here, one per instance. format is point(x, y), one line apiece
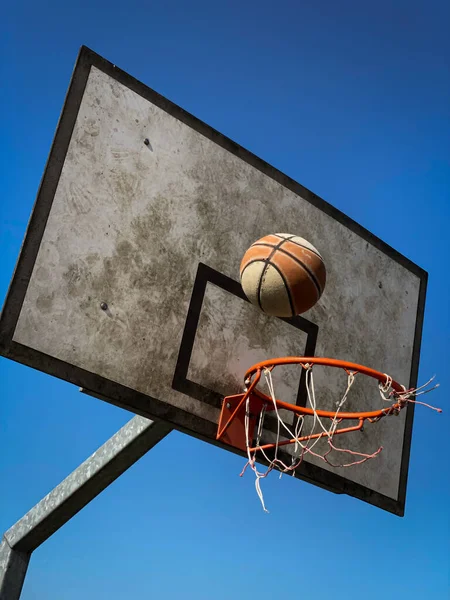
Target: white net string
point(304, 443)
point(300, 447)
point(387, 392)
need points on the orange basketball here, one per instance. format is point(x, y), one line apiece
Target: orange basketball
point(284, 275)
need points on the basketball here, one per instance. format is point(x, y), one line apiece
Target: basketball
point(283, 274)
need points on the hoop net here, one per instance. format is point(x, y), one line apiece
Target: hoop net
point(324, 426)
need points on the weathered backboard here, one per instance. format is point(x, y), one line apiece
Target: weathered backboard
point(128, 280)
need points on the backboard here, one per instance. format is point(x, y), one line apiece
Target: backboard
point(127, 284)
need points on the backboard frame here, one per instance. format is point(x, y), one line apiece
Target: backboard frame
point(127, 398)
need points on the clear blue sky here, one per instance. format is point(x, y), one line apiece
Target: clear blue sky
point(350, 98)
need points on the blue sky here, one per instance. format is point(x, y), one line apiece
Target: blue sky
point(350, 99)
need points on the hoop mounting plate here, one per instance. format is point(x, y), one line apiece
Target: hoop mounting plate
point(233, 428)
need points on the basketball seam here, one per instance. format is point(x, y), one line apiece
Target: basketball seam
point(287, 287)
point(291, 239)
point(269, 244)
point(267, 261)
point(307, 269)
point(286, 284)
point(297, 260)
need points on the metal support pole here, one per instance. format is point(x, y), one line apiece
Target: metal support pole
point(13, 568)
point(94, 475)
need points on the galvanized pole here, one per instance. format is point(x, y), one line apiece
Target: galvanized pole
point(94, 475)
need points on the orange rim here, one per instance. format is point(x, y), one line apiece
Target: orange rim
point(349, 367)
point(253, 375)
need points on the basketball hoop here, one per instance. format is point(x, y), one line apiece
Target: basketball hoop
point(243, 413)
